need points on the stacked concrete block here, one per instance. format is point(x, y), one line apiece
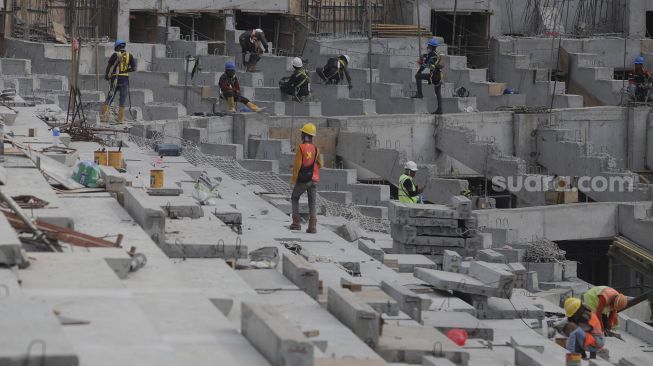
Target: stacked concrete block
point(355, 313)
point(275, 338)
point(449, 281)
point(546, 272)
point(431, 229)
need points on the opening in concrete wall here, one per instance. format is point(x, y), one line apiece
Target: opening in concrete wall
point(471, 35)
point(649, 24)
point(143, 27)
point(200, 26)
point(592, 259)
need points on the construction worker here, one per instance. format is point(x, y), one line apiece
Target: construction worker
point(120, 64)
point(641, 78)
point(433, 62)
point(581, 315)
point(252, 42)
point(606, 302)
point(305, 176)
point(230, 88)
point(409, 192)
point(297, 84)
point(335, 71)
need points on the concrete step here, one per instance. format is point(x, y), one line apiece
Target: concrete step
point(401, 106)
point(267, 149)
point(162, 111)
point(15, 66)
point(272, 108)
point(310, 109)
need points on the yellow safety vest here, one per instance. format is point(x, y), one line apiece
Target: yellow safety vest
point(403, 195)
point(123, 63)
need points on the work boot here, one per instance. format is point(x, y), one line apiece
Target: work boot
point(231, 105)
point(417, 96)
point(296, 222)
point(121, 115)
point(254, 108)
point(438, 111)
point(312, 225)
point(104, 114)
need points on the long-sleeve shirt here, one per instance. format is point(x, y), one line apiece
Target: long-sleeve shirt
point(245, 39)
point(113, 63)
point(300, 81)
point(299, 158)
point(432, 61)
point(408, 187)
point(336, 66)
point(229, 84)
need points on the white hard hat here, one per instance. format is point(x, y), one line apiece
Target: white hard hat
point(258, 30)
point(297, 62)
point(411, 166)
point(346, 58)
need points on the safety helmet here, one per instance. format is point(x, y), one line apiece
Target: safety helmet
point(119, 43)
point(639, 60)
point(433, 42)
point(230, 65)
point(572, 304)
point(620, 302)
point(346, 58)
point(297, 62)
point(309, 129)
point(258, 30)
point(411, 166)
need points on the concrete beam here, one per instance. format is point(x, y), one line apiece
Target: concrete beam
point(146, 213)
point(274, 337)
point(300, 272)
point(409, 302)
point(353, 312)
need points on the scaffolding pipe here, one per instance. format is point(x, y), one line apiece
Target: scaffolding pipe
point(369, 42)
point(419, 30)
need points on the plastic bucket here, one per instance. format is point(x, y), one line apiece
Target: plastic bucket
point(101, 157)
point(156, 178)
point(115, 159)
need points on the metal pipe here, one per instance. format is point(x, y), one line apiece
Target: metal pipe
point(455, 13)
point(38, 234)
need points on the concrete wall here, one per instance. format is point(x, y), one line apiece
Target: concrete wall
point(410, 133)
point(266, 6)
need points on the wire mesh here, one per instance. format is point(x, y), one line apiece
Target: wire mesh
point(269, 181)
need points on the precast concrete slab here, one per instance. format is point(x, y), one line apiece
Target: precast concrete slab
point(458, 282)
point(300, 272)
point(408, 262)
point(447, 320)
point(355, 313)
point(379, 301)
point(410, 343)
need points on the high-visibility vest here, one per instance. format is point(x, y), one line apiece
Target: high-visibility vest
point(591, 297)
point(123, 63)
point(310, 158)
point(403, 195)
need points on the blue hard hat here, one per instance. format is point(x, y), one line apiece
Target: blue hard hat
point(119, 42)
point(639, 60)
point(433, 42)
point(230, 65)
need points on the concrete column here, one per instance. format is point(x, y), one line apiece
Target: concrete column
point(637, 141)
point(123, 20)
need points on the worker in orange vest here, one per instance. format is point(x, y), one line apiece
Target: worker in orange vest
point(305, 176)
point(606, 302)
point(581, 315)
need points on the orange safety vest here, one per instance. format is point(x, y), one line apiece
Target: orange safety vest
point(309, 157)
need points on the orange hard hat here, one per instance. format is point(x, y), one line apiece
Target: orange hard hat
point(620, 302)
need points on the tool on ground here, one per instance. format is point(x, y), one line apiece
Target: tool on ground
point(28, 224)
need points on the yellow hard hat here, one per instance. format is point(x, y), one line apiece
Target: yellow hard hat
point(309, 129)
point(572, 304)
point(620, 302)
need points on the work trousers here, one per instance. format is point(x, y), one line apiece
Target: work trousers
point(300, 188)
point(122, 87)
point(437, 86)
point(237, 97)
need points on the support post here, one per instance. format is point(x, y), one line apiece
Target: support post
point(369, 43)
point(419, 30)
point(455, 14)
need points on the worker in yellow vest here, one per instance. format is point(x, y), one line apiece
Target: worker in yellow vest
point(606, 302)
point(305, 176)
point(120, 64)
point(408, 191)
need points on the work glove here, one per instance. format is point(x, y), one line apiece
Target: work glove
point(420, 61)
point(107, 78)
point(267, 50)
point(350, 86)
